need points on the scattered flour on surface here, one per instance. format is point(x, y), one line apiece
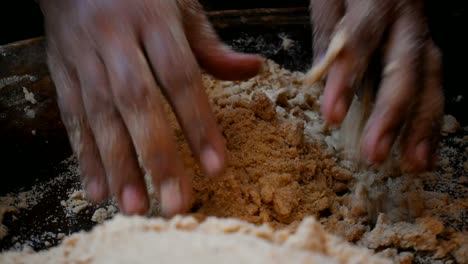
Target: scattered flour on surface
point(16, 79)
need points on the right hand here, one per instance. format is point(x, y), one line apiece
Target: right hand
point(107, 59)
point(410, 100)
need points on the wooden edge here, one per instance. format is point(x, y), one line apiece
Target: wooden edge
point(21, 43)
point(260, 17)
point(258, 12)
point(228, 18)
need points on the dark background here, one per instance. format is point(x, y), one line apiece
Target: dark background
point(22, 19)
point(448, 20)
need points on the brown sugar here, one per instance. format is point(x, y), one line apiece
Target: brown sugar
point(284, 165)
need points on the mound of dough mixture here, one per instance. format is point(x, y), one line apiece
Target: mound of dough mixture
point(286, 168)
point(184, 240)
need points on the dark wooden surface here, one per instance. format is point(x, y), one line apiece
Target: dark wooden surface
point(30, 146)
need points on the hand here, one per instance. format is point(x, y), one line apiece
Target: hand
point(107, 59)
point(409, 102)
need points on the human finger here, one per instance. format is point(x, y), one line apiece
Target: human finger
point(168, 49)
point(112, 137)
point(399, 87)
point(349, 54)
point(76, 123)
point(138, 102)
point(213, 55)
point(420, 138)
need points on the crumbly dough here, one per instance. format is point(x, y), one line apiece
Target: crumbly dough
point(185, 240)
point(285, 165)
point(275, 174)
point(76, 202)
point(450, 125)
point(14, 203)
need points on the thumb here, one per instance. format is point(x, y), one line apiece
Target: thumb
point(212, 55)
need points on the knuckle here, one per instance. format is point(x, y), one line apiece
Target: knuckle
point(158, 157)
point(70, 106)
point(160, 167)
point(179, 84)
point(102, 116)
point(94, 88)
point(67, 106)
point(130, 88)
point(76, 126)
point(97, 102)
point(112, 144)
point(164, 165)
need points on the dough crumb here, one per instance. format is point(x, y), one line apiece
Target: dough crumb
point(29, 96)
point(99, 215)
point(76, 202)
point(450, 125)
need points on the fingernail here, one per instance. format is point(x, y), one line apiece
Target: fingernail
point(93, 189)
point(171, 197)
point(211, 161)
point(132, 201)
